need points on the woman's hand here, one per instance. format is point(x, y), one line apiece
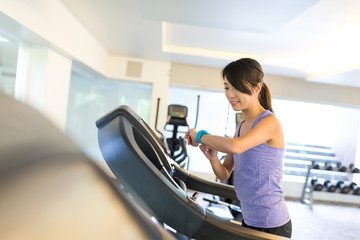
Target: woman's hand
point(190, 136)
point(210, 153)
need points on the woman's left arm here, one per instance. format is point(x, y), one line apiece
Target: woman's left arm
point(265, 130)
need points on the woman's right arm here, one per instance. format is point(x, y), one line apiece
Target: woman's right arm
point(222, 171)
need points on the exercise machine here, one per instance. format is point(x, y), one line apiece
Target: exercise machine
point(177, 117)
point(51, 190)
point(353, 169)
point(316, 185)
point(329, 186)
point(139, 160)
point(175, 123)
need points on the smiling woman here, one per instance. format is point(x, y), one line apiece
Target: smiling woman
point(254, 154)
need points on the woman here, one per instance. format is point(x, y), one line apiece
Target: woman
point(255, 153)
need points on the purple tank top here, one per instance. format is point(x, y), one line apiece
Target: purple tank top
point(257, 177)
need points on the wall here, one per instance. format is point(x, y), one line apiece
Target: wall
point(280, 87)
point(48, 85)
point(196, 76)
point(144, 70)
point(37, 23)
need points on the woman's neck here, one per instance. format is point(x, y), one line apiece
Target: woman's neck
point(252, 113)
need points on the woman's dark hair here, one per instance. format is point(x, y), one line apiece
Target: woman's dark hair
point(245, 74)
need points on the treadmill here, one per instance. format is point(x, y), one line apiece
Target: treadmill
point(140, 161)
point(51, 190)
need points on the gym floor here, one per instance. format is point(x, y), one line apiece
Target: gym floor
point(327, 221)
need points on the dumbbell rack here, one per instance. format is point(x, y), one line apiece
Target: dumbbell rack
point(307, 193)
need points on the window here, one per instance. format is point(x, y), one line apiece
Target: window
point(308, 123)
point(336, 127)
point(91, 98)
point(8, 62)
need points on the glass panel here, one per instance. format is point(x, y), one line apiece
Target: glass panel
point(8, 62)
point(91, 98)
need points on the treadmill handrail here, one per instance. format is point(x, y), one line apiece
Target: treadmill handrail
point(135, 119)
point(196, 183)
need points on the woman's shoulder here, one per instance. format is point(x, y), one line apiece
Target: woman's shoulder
point(270, 119)
point(272, 126)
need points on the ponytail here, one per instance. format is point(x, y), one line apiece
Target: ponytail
point(265, 97)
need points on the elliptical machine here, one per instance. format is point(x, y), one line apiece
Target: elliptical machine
point(176, 119)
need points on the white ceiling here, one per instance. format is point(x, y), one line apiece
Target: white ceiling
point(316, 40)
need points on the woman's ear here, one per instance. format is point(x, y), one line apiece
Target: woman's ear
point(258, 87)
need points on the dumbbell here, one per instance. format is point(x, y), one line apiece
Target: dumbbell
point(356, 190)
point(317, 186)
point(343, 188)
point(328, 166)
point(340, 167)
point(352, 185)
point(353, 169)
point(330, 187)
point(316, 166)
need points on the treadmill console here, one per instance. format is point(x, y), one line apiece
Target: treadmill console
point(178, 111)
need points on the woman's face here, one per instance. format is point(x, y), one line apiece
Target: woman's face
point(238, 100)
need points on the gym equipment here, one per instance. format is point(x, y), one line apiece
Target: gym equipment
point(51, 190)
point(328, 166)
point(341, 168)
point(316, 185)
point(234, 209)
point(316, 166)
point(353, 169)
point(177, 117)
point(329, 186)
point(137, 158)
point(343, 188)
point(352, 185)
point(311, 185)
point(356, 190)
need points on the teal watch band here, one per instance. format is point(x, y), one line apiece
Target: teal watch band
point(199, 135)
